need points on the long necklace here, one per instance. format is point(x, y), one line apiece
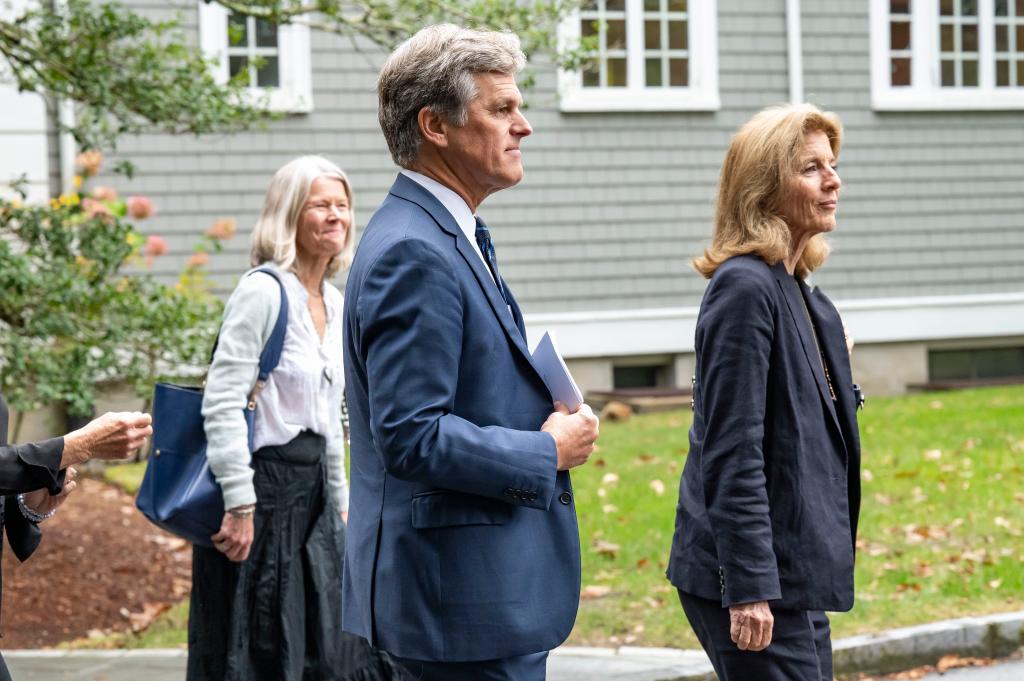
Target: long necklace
point(821, 355)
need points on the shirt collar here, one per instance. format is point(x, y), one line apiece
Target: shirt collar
point(452, 202)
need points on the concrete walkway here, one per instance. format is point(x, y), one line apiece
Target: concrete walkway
point(899, 649)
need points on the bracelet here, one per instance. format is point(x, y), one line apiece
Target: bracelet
point(31, 515)
point(243, 511)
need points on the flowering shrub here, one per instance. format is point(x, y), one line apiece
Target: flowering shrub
point(78, 306)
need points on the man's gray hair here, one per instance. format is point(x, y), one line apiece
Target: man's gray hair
point(434, 68)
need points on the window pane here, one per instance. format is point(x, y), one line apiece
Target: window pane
point(948, 73)
point(616, 34)
point(1020, 8)
point(615, 5)
point(900, 71)
point(267, 75)
point(899, 35)
point(948, 364)
point(617, 72)
point(588, 5)
point(652, 5)
point(1001, 8)
point(1020, 73)
point(678, 72)
point(652, 35)
point(680, 5)
point(969, 8)
point(969, 38)
point(237, 30)
point(946, 33)
point(1020, 38)
point(237, 65)
point(592, 75)
point(970, 73)
point(946, 7)
point(1002, 39)
point(999, 362)
point(899, 6)
point(677, 35)
point(653, 70)
point(266, 33)
point(588, 28)
point(1002, 72)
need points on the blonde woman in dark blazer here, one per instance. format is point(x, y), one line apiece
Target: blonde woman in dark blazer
point(769, 496)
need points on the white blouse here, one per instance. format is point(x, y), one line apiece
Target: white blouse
point(304, 391)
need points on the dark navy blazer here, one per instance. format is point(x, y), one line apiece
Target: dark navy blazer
point(770, 493)
point(462, 537)
point(24, 468)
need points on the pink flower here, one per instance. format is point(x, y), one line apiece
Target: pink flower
point(89, 161)
point(104, 194)
point(93, 207)
point(155, 245)
point(198, 259)
point(139, 207)
point(222, 230)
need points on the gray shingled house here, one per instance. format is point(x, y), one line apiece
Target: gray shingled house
point(928, 261)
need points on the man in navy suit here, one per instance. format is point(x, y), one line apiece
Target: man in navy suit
point(463, 550)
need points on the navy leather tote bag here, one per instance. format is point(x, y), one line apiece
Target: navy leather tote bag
point(178, 490)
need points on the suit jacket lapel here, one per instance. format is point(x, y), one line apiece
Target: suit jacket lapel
point(790, 293)
point(411, 190)
point(838, 357)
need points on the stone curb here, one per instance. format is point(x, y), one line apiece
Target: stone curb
point(890, 651)
point(896, 650)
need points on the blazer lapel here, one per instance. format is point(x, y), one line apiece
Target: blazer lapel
point(411, 190)
point(838, 358)
point(791, 293)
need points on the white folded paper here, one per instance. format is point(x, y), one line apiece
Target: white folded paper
point(556, 375)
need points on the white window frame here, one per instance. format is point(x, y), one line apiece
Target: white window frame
point(925, 93)
point(700, 95)
point(295, 92)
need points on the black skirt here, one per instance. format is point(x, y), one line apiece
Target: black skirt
point(277, 615)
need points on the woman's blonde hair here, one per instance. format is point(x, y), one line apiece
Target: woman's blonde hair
point(761, 160)
point(273, 237)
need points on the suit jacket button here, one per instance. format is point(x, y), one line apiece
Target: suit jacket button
point(565, 498)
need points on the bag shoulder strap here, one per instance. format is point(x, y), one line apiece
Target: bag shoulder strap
point(271, 354)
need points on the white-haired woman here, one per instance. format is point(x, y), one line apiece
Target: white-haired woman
point(266, 599)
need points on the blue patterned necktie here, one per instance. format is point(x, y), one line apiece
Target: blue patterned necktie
point(483, 240)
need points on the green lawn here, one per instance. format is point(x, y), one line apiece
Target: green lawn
point(940, 533)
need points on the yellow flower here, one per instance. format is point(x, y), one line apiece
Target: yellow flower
point(69, 200)
point(77, 181)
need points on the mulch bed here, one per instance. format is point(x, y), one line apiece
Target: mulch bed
point(101, 568)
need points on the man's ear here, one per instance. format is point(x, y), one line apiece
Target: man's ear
point(433, 127)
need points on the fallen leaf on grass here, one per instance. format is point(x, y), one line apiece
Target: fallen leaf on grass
point(610, 479)
point(933, 454)
point(867, 475)
point(995, 584)
point(646, 458)
point(606, 548)
point(141, 620)
point(658, 486)
point(610, 508)
point(594, 591)
point(642, 563)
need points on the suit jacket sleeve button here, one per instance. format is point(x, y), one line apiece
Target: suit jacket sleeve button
point(565, 498)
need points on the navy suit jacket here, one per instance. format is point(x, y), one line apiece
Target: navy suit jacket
point(462, 537)
point(770, 493)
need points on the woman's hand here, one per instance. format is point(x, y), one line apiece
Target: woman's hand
point(750, 625)
point(115, 435)
point(848, 338)
point(235, 537)
point(344, 517)
point(42, 502)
